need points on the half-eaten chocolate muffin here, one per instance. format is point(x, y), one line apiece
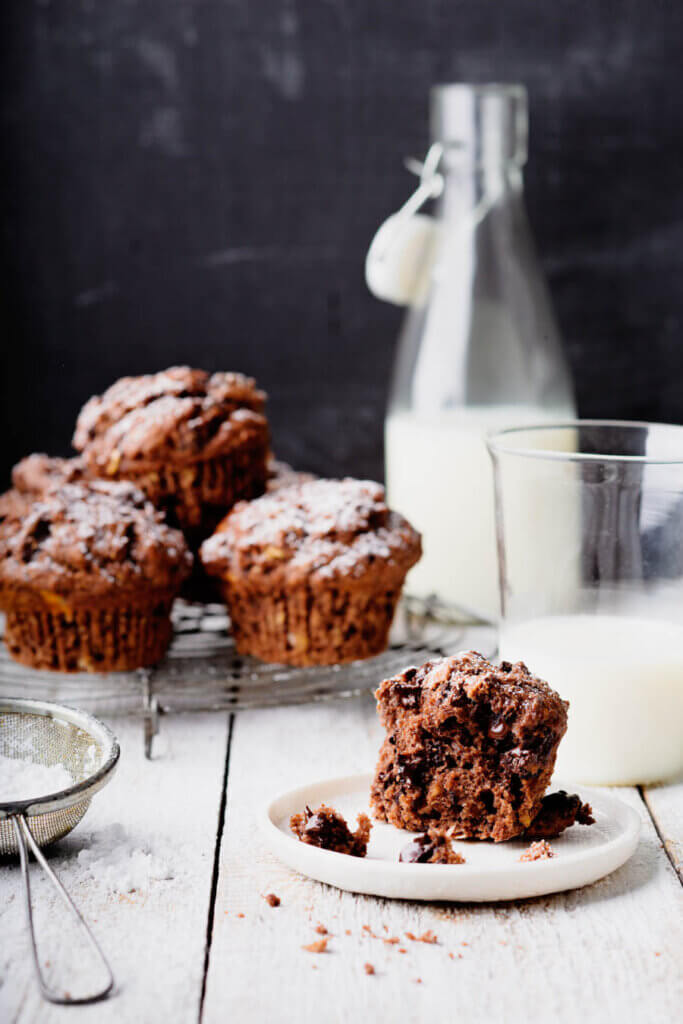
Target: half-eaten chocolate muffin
point(469, 745)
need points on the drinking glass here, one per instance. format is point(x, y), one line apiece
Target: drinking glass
point(589, 525)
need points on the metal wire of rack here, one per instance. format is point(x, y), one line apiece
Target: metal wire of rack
point(202, 670)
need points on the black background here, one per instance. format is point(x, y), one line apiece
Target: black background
point(198, 182)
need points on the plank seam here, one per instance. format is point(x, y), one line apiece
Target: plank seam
point(665, 846)
point(216, 868)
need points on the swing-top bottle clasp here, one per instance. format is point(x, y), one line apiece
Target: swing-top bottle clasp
point(401, 253)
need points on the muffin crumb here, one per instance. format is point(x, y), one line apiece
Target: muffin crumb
point(317, 947)
point(432, 847)
point(327, 829)
point(558, 812)
point(540, 850)
point(272, 900)
point(428, 937)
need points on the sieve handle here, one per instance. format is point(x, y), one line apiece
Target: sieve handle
point(25, 841)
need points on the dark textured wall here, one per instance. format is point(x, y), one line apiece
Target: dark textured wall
point(197, 181)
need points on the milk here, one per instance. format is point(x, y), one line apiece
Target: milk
point(623, 677)
point(439, 475)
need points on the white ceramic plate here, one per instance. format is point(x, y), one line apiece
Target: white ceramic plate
point(492, 871)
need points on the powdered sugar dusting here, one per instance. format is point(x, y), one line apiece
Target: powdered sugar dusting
point(23, 779)
point(179, 411)
point(332, 527)
point(89, 534)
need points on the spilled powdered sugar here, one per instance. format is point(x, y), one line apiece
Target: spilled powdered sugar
point(120, 865)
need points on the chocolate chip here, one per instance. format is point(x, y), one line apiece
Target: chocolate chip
point(486, 798)
point(497, 729)
point(41, 531)
point(409, 695)
point(418, 851)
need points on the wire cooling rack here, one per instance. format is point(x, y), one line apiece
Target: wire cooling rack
point(202, 671)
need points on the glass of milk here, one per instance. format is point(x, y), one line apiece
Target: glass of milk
point(589, 522)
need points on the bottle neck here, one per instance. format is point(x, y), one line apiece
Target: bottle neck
point(468, 185)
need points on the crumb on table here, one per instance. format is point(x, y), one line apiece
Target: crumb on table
point(428, 937)
point(317, 947)
point(272, 900)
point(369, 969)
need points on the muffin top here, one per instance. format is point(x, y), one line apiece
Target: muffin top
point(322, 530)
point(39, 473)
point(514, 705)
point(86, 540)
point(13, 505)
point(179, 415)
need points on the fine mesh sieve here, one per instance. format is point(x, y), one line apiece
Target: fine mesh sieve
point(51, 734)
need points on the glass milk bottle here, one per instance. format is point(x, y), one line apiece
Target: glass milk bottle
point(479, 348)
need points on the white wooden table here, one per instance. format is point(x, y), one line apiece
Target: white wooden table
point(203, 944)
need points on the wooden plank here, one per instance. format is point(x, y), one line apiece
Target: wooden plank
point(665, 804)
point(155, 938)
point(605, 953)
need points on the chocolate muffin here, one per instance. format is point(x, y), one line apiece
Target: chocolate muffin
point(312, 573)
point(469, 745)
point(87, 579)
point(39, 473)
point(194, 443)
point(33, 477)
point(13, 505)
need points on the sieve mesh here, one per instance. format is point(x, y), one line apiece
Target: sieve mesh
point(52, 734)
point(49, 740)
